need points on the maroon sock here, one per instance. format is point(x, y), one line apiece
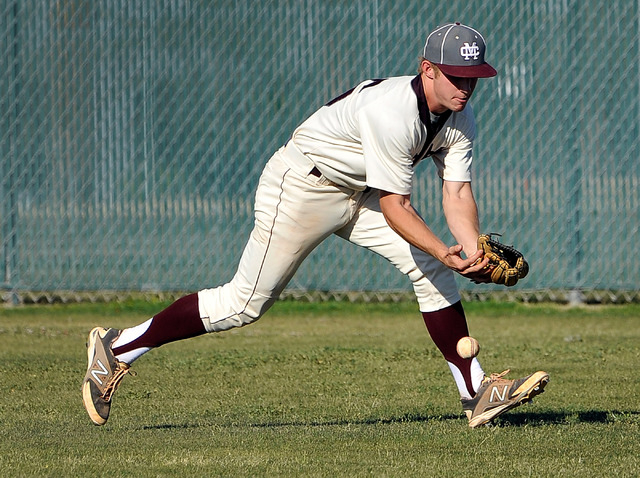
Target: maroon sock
point(446, 327)
point(181, 320)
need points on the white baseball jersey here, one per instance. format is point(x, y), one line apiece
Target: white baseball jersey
point(375, 134)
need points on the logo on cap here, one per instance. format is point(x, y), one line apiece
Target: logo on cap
point(470, 52)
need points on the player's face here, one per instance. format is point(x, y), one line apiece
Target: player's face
point(452, 92)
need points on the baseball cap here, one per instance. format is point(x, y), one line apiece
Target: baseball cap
point(458, 50)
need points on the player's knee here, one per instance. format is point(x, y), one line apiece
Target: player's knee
point(230, 320)
point(248, 315)
point(222, 309)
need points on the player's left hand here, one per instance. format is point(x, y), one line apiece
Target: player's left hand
point(508, 265)
point(483, 276)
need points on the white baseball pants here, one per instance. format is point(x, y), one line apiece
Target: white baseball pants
point(294, 212)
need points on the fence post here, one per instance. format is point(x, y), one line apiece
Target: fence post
point(576, 179)
point(8, 190)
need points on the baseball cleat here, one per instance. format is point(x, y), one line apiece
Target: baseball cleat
point(104, 373)
point(497, 395)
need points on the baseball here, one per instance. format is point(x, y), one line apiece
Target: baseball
point(468, 347)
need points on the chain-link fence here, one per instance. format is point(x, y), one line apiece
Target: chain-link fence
point(133, 132)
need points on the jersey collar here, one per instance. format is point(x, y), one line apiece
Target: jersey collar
point(432, 128)
point(423, 107)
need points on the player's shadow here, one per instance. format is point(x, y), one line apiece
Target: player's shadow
point(509, 419)
point(558, 418)
point(517, 419)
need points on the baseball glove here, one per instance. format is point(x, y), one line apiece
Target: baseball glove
point(508, 264)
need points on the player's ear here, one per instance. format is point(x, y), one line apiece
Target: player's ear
point(427, 69)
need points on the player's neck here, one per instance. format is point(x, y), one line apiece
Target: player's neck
point(434, 106)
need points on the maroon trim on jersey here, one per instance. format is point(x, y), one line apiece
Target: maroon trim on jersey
point(425, 117)
point(341, 97)
point(375, 82)
point(423, 107)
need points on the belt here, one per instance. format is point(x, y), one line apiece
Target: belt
point(301, 163)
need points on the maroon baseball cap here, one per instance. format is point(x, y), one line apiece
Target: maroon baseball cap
point(458, 50)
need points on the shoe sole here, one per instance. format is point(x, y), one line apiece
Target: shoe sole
point(535, 387)
point(87, 398)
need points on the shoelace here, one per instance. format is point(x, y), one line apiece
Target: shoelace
point(112, 384)
point(495, 376)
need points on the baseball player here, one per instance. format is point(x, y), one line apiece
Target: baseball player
point(348, 170)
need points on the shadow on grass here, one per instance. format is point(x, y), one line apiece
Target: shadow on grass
point(510, 419)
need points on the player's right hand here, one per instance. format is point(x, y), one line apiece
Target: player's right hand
point(475, 267)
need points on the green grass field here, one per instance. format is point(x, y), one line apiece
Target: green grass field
point(331, 389)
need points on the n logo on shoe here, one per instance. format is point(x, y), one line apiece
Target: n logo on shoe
point(501, 398)
point(103, 371)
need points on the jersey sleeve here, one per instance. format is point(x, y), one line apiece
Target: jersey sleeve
point(387, 143)
point(453, 147)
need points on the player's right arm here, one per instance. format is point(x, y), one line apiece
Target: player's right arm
point(403, 219)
